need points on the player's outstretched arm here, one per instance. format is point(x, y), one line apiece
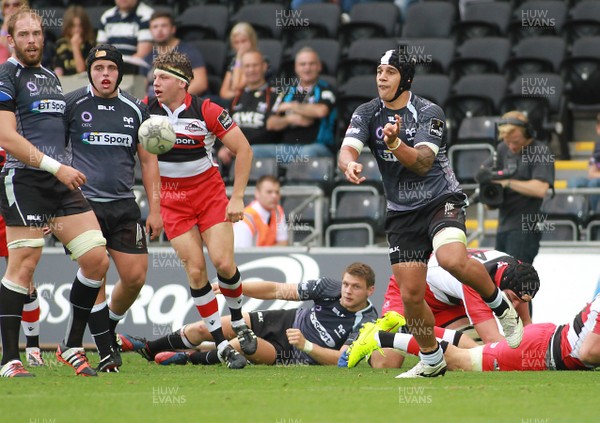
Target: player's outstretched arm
point(265, 290)
point(321, 355)
point(20, 148)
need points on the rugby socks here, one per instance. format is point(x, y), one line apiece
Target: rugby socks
point(208, 307)
point(12, 298)
point(232, 291)
point(83, 296)
point(205, 357)
point(496, 302)
point(100, 329)
point(114, 320)
point(173, 341)
point(407, 343)
point(30, 321)
point(432, 358)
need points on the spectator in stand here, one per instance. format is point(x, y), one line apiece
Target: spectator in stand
point(264, 219)
point(162, 28)
point(242, 38)
point(8, 8)
point(593, 178)
point(127, 27)
point(78, 38)
point(305, 114)
point(251, 106)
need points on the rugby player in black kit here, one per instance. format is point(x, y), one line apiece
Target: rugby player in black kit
point(39, 189)
point(425, 207)
point(103, 124)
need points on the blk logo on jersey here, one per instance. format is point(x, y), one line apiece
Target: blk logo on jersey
point(106, 108)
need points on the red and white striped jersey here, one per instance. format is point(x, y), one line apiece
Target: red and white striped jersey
point(573, 334)
point(197, 123)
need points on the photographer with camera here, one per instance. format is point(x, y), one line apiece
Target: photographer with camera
point(515, 180)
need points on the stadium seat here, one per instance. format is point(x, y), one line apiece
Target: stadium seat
point(260, 167)
point(323, 22)
point(474, 95)
point(540, 97)
point(301, 212)
point(479, 129)
point(313, 171)
point(535, 55)
point(480, 55)
point(369, 20)
point(356, 91)
point(431, 19)
point(347, 235)
point(263, 18)
point(363, 57)
point(482, 19)
point(537, 17)
point(215, 55)
point(433, 55)
point(466, 160)
point(583, 21)
point(272, 50)
point(563, 216)
point(435, 88)
point(203, 22)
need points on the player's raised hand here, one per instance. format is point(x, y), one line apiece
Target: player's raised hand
point(353, 171)
point(71, 177)
point(391, 131)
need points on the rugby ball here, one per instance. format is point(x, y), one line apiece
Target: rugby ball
point(157, 135)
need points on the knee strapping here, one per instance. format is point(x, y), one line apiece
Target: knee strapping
point(476, 358)
point(84, 242)
point(27, 242)
point(447, 236)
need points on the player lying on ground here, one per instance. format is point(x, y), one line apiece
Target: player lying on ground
point(545, 346)
point(314, 335)
point(458, 306)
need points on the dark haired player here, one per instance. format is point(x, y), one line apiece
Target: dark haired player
point(194, 205)
point(41, 189)
point(103, 123)
point(426, 209)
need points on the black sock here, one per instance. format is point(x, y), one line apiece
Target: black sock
point(386, 339)
point(211, 322)
point(456, 339)
point(171, 342)
point(112, 324)
point(444, 345)
point(233, 297)
point(83, 295)
point(205, 357)
point(100, 329)
point(497, 306)
point(11, 307)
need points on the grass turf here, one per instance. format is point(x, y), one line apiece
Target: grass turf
point(151, 393)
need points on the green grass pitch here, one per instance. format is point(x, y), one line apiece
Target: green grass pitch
point(146, 392)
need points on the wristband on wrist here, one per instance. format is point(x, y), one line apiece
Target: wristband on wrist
point(308, 347)
point(398, 142)
point(49, 165)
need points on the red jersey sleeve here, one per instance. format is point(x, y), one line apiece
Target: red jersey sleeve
point(218, 121)
point(476, 308)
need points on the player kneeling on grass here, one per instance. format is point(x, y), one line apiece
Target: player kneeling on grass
point(311, 335)
point(545, 346)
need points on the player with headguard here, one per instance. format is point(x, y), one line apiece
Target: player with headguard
point(458, 306)
point(194, 205)
point(39, 189)
point(103, 124)
point(545, 346)
point(425, 207)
